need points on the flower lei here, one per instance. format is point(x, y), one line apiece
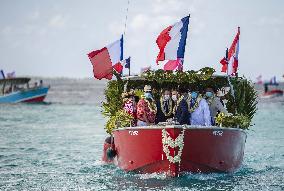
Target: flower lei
point(196, 104)
point(152, 106)
point(170, 107)
point(169, 142)
point(178, 102)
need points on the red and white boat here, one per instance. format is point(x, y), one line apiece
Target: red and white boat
point(272, 94)
point(175, 149)
point(170, 148)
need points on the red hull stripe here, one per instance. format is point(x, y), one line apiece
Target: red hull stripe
point(37, 99)
point(274, 92)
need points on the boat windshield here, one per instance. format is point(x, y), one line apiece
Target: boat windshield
point(13, 84)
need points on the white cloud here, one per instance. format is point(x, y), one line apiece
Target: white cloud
point(57, 21)
point(275, 21)
point(116, 28)
point(162, 21)
point(162, 6)
point(140, 21)
point(161, 14)
point(151, 23)
point(6, 30)
point(196, 26)
point(34, 15)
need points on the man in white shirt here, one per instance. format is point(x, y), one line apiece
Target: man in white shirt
point(199, 110)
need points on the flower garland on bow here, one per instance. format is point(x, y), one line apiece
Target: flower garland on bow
point(170, 142)
point(170, 107)
point(196, 104)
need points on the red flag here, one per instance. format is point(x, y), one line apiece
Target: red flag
point(230, 63)
point(118, 67)
point(232, 49)
point(224, 62)
point(173, 65)
point(235, 65)
point(107, 59)
point(162, 41)
point(102, 66)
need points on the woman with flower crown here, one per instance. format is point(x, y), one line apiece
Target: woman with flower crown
point(129, 105)
point(146, 108)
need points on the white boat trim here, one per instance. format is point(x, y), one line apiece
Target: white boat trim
point(191, 127)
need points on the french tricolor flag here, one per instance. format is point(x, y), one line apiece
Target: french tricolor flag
point(107, 59)
point(172, 41)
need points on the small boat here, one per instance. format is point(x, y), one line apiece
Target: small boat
point(196, 149)
point(15, 90)
point(271, 93)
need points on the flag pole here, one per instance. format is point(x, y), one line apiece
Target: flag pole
point(129, 70)
point(126, 17)
point(125, 24)
point(229, 81)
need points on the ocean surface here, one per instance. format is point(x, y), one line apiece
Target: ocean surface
point(58, 146)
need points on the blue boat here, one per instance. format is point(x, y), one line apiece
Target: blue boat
point(15, 90)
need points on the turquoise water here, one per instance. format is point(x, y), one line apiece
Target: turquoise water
point(58, 146)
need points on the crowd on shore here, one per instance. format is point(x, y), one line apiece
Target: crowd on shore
point(181, 106)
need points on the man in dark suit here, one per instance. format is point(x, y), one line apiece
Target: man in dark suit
point(182, 113)
point(164, 107)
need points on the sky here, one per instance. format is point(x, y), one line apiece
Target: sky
point(52, 38)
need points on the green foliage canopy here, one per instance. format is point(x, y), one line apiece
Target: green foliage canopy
point(243, 106)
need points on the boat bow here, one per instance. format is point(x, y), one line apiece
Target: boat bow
point(176, 149)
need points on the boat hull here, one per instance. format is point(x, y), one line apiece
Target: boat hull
point(205, 149)
point(272, 94)
point(30, 95)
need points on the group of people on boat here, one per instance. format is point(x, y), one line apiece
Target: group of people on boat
point(181, 106)
point(15, 87)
